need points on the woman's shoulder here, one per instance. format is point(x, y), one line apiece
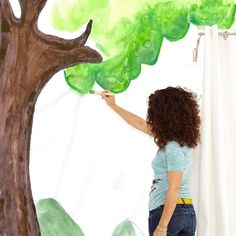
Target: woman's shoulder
point(174, 145)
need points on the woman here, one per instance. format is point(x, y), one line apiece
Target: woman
point(173, 121)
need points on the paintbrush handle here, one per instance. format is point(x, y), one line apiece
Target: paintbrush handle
point(100, 93)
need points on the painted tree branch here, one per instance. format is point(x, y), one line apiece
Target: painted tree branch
point(61, 53)
point(7, 12)
point(38, 5)
point(59, 60)
point(24, 9)
point(30, 10)
point(64, 44)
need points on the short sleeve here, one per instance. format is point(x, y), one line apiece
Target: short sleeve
point(174, 156)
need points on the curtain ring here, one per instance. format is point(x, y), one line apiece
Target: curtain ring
point(225, 35)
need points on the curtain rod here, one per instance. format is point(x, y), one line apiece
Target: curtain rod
point(225, 34)
point(195, 50)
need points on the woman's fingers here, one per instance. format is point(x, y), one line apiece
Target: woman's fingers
point(108, 97)
point(105, 96)
point(106, 93)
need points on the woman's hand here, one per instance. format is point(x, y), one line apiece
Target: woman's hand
point(109, 98)
point(159, 233)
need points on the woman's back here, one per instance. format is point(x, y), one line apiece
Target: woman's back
point(172, 158)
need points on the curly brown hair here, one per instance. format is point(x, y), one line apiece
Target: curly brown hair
point(173, 115)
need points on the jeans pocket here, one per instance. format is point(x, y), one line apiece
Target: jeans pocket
point(175, 225)
point(153, 221)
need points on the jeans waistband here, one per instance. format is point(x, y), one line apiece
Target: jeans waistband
point(178, 206)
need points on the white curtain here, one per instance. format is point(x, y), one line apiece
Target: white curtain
point(214, 167)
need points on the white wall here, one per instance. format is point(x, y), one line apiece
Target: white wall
point(88, 158)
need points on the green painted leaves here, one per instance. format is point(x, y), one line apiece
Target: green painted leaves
point(172, 20)
point(80, 78)
point(54, 221)
point(213, 13)
point(125, 228)
point(130, 33)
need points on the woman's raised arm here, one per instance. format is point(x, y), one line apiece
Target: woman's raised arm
point(132, 119)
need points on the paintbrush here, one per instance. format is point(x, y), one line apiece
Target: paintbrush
point(99, 93)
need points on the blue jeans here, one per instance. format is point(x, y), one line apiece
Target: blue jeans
point(182, 223)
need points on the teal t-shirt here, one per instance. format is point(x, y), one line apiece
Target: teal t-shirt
point(172, 158)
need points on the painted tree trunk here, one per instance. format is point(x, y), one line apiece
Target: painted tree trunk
point(17, 212)
point(28, 60)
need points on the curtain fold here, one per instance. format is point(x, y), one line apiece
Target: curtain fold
point(212, 179)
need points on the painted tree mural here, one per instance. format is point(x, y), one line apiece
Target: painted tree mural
point(28, 60)
point(128, 33)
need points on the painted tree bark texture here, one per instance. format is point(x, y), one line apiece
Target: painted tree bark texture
point(28, 59)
